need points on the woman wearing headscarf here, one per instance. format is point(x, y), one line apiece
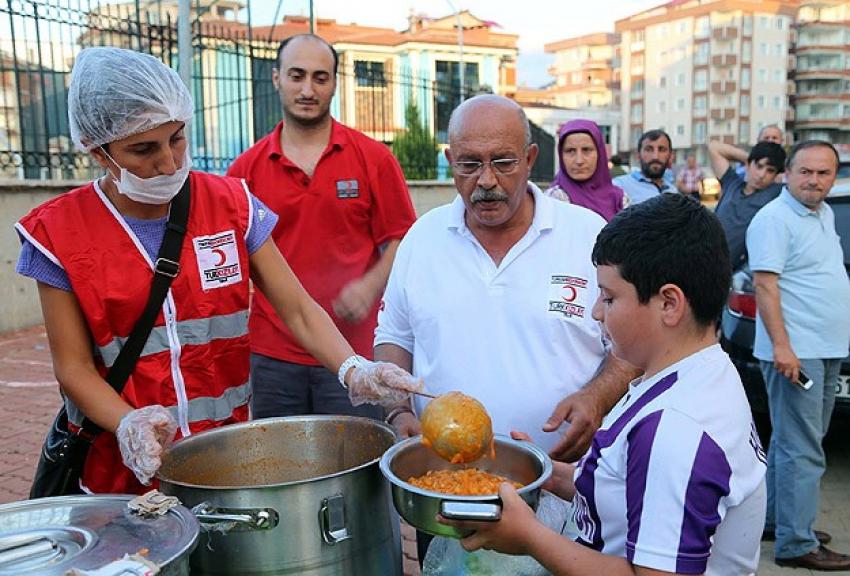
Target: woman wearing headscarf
point(93, 252)
point(583, 177)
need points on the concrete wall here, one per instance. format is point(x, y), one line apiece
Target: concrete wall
point(19, 306)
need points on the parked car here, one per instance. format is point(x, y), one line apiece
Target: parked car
point(738, 323)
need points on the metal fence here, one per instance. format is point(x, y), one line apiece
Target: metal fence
point(234, 99)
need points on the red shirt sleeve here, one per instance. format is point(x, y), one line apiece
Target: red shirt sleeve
point(392, 213)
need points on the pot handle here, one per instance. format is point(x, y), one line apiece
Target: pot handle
point(17, 549)
point(332, 519)
point(235, 519)
point(475, 511)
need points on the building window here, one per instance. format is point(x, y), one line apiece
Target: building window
point(780, 22)
point(662, 106)
point(680, 130)
point(700, 80)
point(680, 104)
point(745, 105)
point(764, 21)
point(777, 75)
point(779, 49)
point(701, 55)
point(699, 132)
point(745, 79)
point(637, 112)
point(748, 25)
point(369, 74)
point(762, 75)
point(699, 103)
point(447, 92)
point(683, 26)
point(761, 101)
point(680, 79)
point(777, 102)
point(662, 82)
point(703, 27)
point(744, 131)
point(746, 51)
point(765, 49)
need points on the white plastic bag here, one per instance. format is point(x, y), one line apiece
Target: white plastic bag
point(446, 557)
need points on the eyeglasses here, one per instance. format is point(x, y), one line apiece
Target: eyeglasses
point(474, 167)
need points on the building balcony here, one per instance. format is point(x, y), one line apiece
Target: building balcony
point(722, 113)
point(723, 60)
point(820, 74)
point(724, 33)
point(820, 122)
point(724, 87)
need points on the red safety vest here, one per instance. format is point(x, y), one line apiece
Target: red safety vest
point(196, 360)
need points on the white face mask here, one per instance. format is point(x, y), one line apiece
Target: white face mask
point(156, 190)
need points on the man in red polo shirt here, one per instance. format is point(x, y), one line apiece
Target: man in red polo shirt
point(343, 206)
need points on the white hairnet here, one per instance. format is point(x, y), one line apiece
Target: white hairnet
point(116, 93)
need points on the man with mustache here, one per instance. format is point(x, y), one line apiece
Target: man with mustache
point(491, 294)
point(802, 328)
point(655, 153)
point(742, 197)
point(344, 205)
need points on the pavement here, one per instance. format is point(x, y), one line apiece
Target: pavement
point(29, 399)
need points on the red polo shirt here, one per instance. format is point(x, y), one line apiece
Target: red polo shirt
point(330, 226)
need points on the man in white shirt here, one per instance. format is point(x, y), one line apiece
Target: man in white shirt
point(491, 294)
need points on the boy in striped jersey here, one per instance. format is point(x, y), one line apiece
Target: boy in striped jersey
point(673, 482)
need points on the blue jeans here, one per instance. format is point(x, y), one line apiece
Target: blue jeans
point(286, 389)
point(795, 457)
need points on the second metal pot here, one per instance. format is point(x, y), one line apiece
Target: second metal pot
point(519, 461)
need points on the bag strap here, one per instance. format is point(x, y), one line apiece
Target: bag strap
point(166, 268)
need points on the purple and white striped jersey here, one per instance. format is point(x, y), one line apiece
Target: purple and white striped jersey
point(674, 478)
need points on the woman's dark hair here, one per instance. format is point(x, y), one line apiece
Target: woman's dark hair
point(670, 239)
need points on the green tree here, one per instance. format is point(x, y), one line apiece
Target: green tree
point(416, 149)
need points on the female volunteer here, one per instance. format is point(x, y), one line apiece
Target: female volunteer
point(91, 251)
point(584, 177)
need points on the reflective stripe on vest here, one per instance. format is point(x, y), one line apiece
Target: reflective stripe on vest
point(190, 332)
point(217, 409)
point(201, 408)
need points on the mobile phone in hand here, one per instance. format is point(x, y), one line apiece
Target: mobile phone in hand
point(804, 381)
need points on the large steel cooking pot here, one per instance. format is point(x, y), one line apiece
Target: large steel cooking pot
point(49, 536)
point(516, 460)
point(297, 495)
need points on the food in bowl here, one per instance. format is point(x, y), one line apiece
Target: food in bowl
point(458, 428)
point(466, 482)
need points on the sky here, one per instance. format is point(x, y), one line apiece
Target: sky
point(536, 21)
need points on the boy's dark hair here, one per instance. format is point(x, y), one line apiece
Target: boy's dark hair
point(774, 153)
point(286, 42)
point(811, 144)
point(652, 136)
point(670, 239)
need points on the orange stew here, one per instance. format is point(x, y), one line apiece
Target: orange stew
point(467, 482)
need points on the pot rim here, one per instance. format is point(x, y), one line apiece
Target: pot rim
point(273, 420)
point(390, 454)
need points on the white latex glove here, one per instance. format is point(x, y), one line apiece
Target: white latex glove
point(381, 383)
point(143, 435)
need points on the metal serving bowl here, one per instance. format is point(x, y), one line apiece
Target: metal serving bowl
point(516, 460)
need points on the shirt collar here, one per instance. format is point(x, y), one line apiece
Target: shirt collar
point(798, 207)
point(337, 140)
point(637, 174)
point(543, 211)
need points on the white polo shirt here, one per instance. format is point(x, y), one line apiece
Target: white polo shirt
point(519, 337)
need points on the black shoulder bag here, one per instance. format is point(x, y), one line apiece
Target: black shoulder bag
point(64, 452)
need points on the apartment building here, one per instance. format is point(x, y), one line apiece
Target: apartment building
point(822, 73)
point(705, 69)
point(586, 71)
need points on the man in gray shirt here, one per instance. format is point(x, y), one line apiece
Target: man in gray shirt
point(742, 197)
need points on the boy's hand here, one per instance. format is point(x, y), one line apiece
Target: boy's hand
point(513, 534)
